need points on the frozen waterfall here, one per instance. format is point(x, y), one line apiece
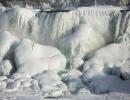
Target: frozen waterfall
point(52, 49)
point(51, 27)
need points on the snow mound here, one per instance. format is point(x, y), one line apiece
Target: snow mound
point(33, 58)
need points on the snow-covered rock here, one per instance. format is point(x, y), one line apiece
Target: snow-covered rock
point(72, 73)
point(33, 58)
point(51, 84)
point(18, 75)
point(123, 71)
point(73, 81)
point(5, 67)
point(103, 62)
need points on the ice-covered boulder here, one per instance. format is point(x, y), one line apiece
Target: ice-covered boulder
point(103, 63)
point(123, 71)
point(5, 67)
point(72, 80)
point(33, 58)
point(50, 84)
point(72, 73)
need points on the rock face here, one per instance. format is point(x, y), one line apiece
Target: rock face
point(33, 58)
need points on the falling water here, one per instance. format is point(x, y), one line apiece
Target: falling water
point(95, 3)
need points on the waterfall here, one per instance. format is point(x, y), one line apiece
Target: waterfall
point(123, 26)
point(77, 32)
point(95, 3)
point(51, 27)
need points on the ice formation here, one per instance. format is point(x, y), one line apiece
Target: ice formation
point(50, 28)
point(59, 52)
point(32, 58)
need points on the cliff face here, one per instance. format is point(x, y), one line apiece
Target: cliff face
point(64, 3)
